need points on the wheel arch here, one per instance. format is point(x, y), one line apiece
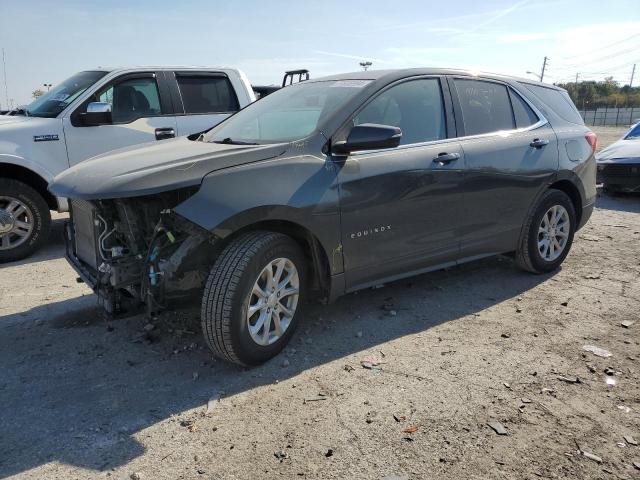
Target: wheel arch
point(572, 191)
point(318, 260)
point(31, 178)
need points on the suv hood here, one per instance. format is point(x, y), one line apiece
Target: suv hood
point(154, 168)
point(622, 149)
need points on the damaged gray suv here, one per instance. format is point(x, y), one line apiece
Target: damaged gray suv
point(330, 186)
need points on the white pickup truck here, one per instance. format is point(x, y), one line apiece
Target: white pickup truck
point(91, 113)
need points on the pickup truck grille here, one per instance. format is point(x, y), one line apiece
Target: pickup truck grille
point(85, 242)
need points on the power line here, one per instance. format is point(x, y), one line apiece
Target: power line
point(602, 58)
point(603, 47)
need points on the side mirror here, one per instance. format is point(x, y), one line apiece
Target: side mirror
point(368, 136)
point(98, 113)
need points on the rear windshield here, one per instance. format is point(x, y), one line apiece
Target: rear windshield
point(559, 101)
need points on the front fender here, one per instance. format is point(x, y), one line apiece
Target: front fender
point(301, 190)
point(35, 167)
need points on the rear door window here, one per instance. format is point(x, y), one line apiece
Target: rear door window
point(206, 93)
point(524, 115)
point(414, 106)
point(485, 106)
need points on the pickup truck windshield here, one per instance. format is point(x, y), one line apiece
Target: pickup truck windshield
point(289, 114)
point(56, 100)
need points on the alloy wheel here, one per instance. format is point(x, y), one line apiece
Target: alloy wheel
point(553, 233)
point(16, 222)
point(273, 301)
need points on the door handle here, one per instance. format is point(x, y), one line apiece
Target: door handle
point(445, 157)
point(538, 143)
point(164, 133)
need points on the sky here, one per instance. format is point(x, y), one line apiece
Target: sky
point(47, 41)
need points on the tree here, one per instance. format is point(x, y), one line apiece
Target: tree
point(37, 93)
point(608, 93)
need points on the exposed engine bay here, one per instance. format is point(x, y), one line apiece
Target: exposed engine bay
point(135, 251)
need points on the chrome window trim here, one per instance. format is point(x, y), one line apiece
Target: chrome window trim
point(405, 147)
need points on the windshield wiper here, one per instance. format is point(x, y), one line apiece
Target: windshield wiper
point(22, 111)
point(230, 141)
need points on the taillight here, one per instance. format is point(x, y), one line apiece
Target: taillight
point(592, 140)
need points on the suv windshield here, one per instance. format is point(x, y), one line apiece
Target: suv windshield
point(634, 133)
point(56, 100)
point(289, 114)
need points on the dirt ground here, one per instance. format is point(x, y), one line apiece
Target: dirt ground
point(458, 349)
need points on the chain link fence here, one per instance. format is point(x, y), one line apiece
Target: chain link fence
point(611, 116)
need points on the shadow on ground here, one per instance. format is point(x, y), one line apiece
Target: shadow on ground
point(77, 392)
point(623, 202)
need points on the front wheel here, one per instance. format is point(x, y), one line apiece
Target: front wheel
point(252, 297)
point(548, 233)
point(24, 220)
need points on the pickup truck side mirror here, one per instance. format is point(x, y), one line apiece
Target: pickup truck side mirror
point(98, 113)
point(368, 136)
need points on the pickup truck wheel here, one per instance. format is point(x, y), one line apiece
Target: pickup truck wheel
point(252, 297)
point(24, 220)
point(548, 233)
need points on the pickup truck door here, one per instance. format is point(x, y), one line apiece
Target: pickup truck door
point(141, 111)
point(201, 99)
point(401, 207)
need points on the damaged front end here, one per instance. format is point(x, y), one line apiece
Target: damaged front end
point(138, 251)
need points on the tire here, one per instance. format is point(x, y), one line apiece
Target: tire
point(228, 294)
point(529, 256)
point(35, 209)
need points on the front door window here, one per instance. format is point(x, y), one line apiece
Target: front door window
point(132, 98)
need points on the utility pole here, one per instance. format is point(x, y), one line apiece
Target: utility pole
point(4, 69)
point(633, 72)
point(48, 85)
point(365, 65)
point(544, 67)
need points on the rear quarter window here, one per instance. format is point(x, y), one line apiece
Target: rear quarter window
point(558, 101)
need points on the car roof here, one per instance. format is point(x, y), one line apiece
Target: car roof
point(161, 67)
point(390, 75)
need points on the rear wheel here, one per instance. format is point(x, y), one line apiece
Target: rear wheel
point(24, 220)
point(548, 233)
point(252, 296)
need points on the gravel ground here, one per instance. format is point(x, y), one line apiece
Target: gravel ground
point(458, 349)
